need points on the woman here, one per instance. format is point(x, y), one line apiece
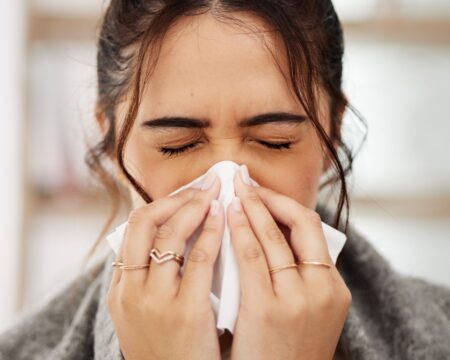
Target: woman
point(183, 85)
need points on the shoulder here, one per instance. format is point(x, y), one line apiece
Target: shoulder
point(437, 294)
point(38, 334)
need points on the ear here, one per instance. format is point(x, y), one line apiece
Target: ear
point(339, 118)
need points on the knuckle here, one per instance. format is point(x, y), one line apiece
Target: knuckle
point(153, 307)
point(191, 316)
point(124, 302)
point(142, 213)
point(182, 315)
point(313, 217)
point(275, 235)
point(240, 224)
point(299, 307)
point(347, 296)
point(165, 232)
point(136, 215)
point(183, 311)
point(197, 201)
point(268, 315)
point(190, 192)
point(252, 253)
point(198, 255)
point(209, 228)
point(344, 290)
point(253, 196)
point(326, 299)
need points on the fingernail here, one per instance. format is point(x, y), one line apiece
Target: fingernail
point(214, 209)
point(209, 180)
point(236, 203)
point(244, 174)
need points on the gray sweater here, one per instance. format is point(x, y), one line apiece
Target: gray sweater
point(392, 316)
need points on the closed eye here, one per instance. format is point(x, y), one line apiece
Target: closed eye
point(277, 146)
point(177, 151)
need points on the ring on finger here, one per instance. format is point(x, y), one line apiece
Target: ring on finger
point(122, 266)
point(134, 267)
point(313, 263)
point(279, 268)
point(166, 256)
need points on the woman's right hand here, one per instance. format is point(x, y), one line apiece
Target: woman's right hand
point(157, 313)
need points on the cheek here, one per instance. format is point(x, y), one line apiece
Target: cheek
point(301, 186)
point(299, 179)
point(157, 176)
point(145, 166)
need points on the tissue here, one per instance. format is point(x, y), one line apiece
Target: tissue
point(225, 289)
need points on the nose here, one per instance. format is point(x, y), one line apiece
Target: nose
point(233, 161)
point(229, 150)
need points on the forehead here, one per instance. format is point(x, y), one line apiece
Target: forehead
point(209, 65)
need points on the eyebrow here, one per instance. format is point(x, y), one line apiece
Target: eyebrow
point(185, 122)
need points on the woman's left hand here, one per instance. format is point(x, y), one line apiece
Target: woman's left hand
point(295, 313)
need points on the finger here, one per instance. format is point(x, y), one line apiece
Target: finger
point(307, 237)
point(116, 274)
point(276, 248)
point(173, 236)
point(254, 274)
point(196, 281)
point(141, 229)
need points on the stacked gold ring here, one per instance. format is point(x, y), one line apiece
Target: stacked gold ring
point(166, 256)
point(279, 268)
point(122, 266)
point(155, 255)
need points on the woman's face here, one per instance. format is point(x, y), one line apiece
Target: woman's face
point(221, 76)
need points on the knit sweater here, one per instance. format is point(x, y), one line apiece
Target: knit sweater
point(392, 316)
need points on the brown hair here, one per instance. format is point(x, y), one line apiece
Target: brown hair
point(132, 29)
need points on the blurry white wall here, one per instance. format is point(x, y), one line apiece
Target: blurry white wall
point(12, 65)
point(403, 90)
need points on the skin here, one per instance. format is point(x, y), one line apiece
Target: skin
point(219, 79)
point(209, 70)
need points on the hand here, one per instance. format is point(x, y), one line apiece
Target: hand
point(157, 313)
point(295, 313)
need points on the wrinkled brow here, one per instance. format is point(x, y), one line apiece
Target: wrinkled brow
point(185, 122)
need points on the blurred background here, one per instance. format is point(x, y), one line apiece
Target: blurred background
point(397, 74)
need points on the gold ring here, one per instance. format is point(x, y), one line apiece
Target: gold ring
point(122, 266)
point(166, 256)
point(314, 263)
point(274, 270)
point(134, 267)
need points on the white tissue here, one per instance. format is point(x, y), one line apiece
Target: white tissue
point(225, 290)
